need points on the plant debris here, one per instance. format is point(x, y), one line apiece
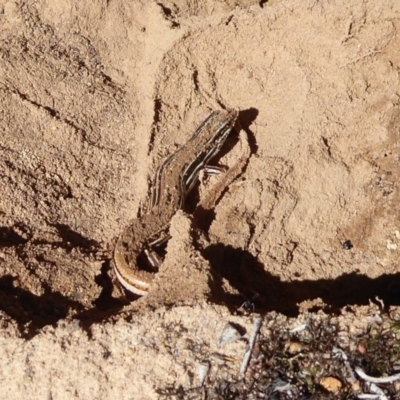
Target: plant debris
point(321, 357)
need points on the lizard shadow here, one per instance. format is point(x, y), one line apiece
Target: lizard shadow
point(248, 276)
point(242, 270)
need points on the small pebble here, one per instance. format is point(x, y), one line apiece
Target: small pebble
point(229, 335)
point(331, 384)
point(202, 372)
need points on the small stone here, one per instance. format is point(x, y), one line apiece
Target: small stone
point(331, 384)
point(356, 386)
point(294, 348)
point(202, 372)
point(361, 348)
point(390, 245)
point(347, 245)
point(229, 334)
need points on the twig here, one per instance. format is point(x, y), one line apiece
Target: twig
point(252, 341)
point(300, 328)
point(340, 353)
point(385, 379)
point(375, 389)
point(379, 395)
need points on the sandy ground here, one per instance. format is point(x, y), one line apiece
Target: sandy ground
point(95, 95)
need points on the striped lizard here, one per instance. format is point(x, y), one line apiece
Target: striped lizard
point(174, 179)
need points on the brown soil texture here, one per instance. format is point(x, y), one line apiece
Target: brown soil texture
point(95, 95)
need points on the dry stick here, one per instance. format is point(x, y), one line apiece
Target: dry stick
point(252, 341)
point(379, 395)
point(339, 352)
point(385, 379)
point(376, 389)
